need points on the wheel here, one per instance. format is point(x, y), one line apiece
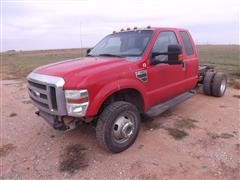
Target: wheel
point(219, 84)
point(207, 83)
point(118, 126)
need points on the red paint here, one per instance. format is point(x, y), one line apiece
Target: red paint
point(105, 75)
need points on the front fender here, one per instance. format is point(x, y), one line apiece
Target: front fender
point(102, 94)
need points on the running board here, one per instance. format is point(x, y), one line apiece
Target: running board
point(160, 108)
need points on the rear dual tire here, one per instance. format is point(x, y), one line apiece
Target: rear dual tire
point(219, 84)
point(207, 83)
point(215, 84)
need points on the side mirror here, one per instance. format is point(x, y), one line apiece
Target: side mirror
point(88, 50)
point(174, 55)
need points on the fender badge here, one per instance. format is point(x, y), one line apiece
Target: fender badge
point(142, 75)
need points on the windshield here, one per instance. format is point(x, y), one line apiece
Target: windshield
point(123, 44)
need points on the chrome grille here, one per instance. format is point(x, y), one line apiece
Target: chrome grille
point(47, 93)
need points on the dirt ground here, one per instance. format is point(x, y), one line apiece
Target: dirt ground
point(198, 139)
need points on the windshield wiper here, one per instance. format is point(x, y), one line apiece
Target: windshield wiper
point(89, 55)
point(110, 55)
point(131, 55)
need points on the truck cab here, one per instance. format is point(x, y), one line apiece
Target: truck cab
point(127, 74)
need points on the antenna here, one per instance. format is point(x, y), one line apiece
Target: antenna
point(80, 31)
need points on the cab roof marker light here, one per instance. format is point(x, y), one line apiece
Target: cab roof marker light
point(148, 27)
point(128, 29)
point(135, 28)
point(122, 30)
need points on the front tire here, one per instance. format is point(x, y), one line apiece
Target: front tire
point(118, 126)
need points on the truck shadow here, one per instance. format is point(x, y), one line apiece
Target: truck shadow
point(154, 123)
point(83, 131)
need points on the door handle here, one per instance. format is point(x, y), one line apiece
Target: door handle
point(184, 66)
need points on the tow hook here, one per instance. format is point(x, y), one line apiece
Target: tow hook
point(59, 125)
point(69, 122)
point(37, 113)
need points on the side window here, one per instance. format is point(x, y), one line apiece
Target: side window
point(187, 43)
point(161, 44)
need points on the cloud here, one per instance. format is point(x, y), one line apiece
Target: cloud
point(64, 24)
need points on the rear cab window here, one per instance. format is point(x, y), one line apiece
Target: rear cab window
point(187, 43)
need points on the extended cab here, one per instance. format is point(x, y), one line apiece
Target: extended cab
point(127, 74)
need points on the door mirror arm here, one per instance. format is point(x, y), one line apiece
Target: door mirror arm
point(88, 50)
point(154, 61)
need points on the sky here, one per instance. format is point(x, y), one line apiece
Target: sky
point(53, 24)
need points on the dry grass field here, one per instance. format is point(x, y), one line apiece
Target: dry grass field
point(17, 64)
point(224, 57)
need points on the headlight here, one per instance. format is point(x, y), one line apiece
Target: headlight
point(76, 102)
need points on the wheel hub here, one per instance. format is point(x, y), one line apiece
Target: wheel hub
point(123, 128)
point(127, 130)
point(223, 86)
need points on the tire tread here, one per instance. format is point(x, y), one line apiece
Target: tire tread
point(219, 76)
point(104, 120)
point(207, 83)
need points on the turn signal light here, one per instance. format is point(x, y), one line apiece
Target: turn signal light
point(180, 57)
point(77, 101)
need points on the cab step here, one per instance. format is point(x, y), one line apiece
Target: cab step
point(160, 108)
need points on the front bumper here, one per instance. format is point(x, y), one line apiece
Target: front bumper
point(55, 121)
point(63, 123)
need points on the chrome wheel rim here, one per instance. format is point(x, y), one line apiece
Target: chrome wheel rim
point(223, 86)
point(123, 127)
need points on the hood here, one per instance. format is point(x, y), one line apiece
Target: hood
point(84, 66)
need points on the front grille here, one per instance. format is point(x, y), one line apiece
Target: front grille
point(46, 93)
point(43, 95)
point(53, 97)
point(40, 86)
point(40, 103)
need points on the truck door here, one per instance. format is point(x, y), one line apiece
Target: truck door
point(190, 59)
point(165, 81)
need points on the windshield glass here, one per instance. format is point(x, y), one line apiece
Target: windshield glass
point(123, 44)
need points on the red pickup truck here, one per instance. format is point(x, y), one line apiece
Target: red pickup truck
point(127, 74)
